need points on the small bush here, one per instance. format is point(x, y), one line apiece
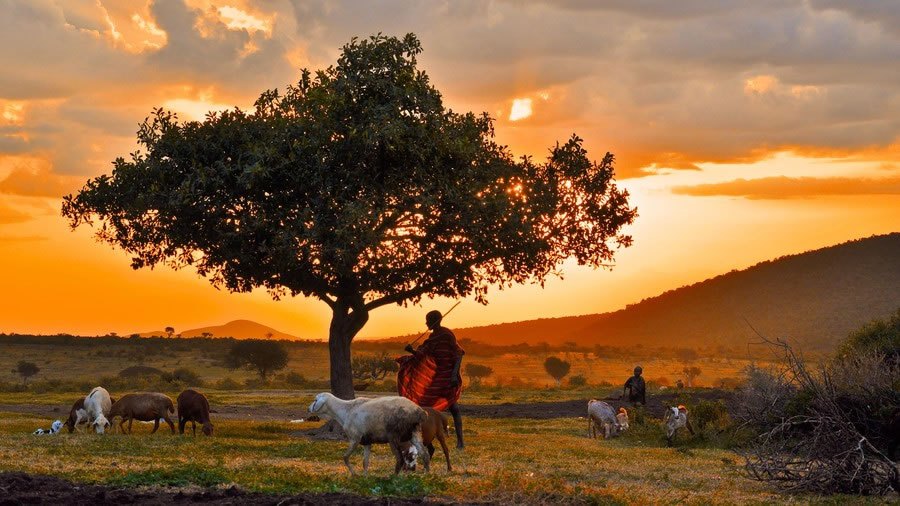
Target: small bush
point(578, 380)
point(9, 388)
point(707, 414)
point(187, 377)
point(139, 370)
point(295, 379)
point(388, 385)
point(227, 384)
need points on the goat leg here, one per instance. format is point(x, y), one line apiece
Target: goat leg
point(441, 437)
point(367, 451)
point(417, 442)
point(353, 445)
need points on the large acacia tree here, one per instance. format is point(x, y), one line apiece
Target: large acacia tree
point(355, 186)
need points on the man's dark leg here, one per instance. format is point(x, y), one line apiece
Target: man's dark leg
point(457, 423)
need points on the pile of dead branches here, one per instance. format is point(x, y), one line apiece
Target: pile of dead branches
point(829, 430)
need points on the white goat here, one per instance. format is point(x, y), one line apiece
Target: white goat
point(391, 420)
point(97, 404)
point(674, 419)
point(601, 414)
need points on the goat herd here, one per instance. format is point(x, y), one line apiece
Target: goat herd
point(99, 410)
point(396, 421)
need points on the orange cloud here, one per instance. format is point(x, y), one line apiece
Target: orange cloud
point(38, 183)
point(9, 216)
point(784, 187)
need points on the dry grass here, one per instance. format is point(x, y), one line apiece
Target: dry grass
point(508, 460)
point(90, 362)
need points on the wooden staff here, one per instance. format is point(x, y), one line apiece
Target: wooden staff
point(442, 316)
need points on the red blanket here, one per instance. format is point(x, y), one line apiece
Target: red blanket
point(424, 376)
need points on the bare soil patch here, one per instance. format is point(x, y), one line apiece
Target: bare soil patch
point(20, 488)
point(656, 406)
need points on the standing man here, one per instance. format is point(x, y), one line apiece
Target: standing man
point(636, 388)
point(430, 376)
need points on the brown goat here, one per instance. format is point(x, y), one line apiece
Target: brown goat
point(193, 407)
point(145, 407)
point(434, 426)
point(77, 415)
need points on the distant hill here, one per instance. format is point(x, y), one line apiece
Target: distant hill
point(814, 299)
point(238, 329)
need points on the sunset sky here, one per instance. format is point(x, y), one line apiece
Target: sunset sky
point(744, 130)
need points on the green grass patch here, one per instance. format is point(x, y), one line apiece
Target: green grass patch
point(179, 476)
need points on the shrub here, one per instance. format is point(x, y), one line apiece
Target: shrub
point(578, 380)
point(265, 357)
point(227, 384)
point(833, 424)
point(139, 370)
point(187, 377)
point(294, 378)
point(709, 414)
point(477, 372)
point(389, 385)
point(879, 336)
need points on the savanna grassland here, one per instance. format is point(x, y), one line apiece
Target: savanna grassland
point(87, 360)
point(509, 460)
point(258, 448)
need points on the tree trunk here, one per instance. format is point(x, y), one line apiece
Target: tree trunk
point(344, 327)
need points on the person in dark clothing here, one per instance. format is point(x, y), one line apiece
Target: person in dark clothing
point(430, 376)
point(636, 388)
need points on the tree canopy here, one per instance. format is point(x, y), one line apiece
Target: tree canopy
point(557, 368)
point(262, 356)
point(27, 369)
point(476, 372)
point(358, 187)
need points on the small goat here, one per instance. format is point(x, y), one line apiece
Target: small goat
point(146, 407)
point(674, 419)
point(97, 405)
point(601, 414)
point(435, 426)
point(193, 407)
point(622, 420)
point(392, 420)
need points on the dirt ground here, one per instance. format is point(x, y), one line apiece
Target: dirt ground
point(20, 488)
point(656, 406)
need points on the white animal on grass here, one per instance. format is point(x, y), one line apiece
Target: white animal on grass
point(674, 419)
point(602, 415)
point(97, 404)
point(54, 429)
point(392, 420)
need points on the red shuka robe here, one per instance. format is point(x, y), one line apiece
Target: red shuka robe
point(424, 376)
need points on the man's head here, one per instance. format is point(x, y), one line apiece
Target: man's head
point(638, 370)
point(433, 319)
